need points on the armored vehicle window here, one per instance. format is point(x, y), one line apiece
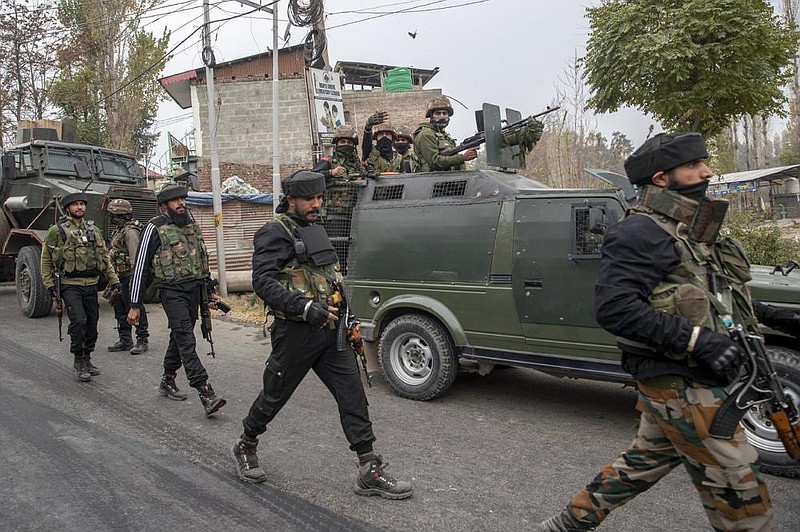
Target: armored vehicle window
point(387, 192)
point(589, 223)
point(115, 166)
point(449, 188)
point(63, 161)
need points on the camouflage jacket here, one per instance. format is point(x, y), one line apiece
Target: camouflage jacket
point(78, 251)
point(428, 144)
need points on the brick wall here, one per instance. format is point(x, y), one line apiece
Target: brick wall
point(404, 108)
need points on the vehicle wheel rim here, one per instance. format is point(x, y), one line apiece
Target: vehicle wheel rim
point(25, 284)
point(760, 430)
point(411, 359)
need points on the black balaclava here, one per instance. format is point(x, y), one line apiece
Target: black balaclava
point(346, 152)
point(401, 146)
point(440, 123)
point(694, 192)
point(385, 145)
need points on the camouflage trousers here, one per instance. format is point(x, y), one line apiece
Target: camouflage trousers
point(673, 430)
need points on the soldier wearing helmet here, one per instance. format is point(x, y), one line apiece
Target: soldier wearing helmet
point(124, 243)
point(74, 250)
point(343, 163)
point(430, 139)
point(403, 143)
point(383, 157)
point(173, 254)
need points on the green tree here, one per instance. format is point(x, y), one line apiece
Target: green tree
point(693, 64)
point(109, 72)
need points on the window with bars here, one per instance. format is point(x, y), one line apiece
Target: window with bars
point(588, 227)
point(449, 188)
point(387, 192)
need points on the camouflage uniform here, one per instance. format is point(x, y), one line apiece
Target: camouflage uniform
point(122, 247)
point(678, 398)
point(76, 248)
point(428, 143)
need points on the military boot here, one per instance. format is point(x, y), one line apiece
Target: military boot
point(168, 388)
point(563, 522)
point(211, 401)
point(122, 344)
point(81, 370)
point(140, 347)
point(243, 453)
point(93, 370)
point(373, 480)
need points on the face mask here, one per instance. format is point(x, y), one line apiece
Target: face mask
point(440, 123)
point(346, 152)
point(385, 147)
point(694, 192)
point(401, 147)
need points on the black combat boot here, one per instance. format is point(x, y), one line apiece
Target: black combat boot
point(140, 347)
point(373, 480)
point(563, 522)
point(93, 370)
point(123, 344)
point(167, 388)
point(243, 453)
point(211, 401)
point(81, 370)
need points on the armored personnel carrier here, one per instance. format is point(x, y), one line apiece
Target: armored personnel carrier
point(478, 269)
point(34, 176)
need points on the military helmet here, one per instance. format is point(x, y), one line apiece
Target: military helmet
point(404, 132)
point(440, 102)
point(69, 199)
point(120, 206)
point(384, 127)
point(171, 191)
point(662, 153)
point(345, 132)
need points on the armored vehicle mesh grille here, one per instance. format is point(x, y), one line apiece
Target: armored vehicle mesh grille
point(338, 203)
point(586, 242)
point(387, 192)
point(449, 188)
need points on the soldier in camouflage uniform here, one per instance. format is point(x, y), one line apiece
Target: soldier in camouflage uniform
point(75, 248)
point(172, 252)
point(343, 163)
point(382, 158)
point(668, 287)
point(430, 139)
point(124, 243)
point(403, 145)
point(296, 286)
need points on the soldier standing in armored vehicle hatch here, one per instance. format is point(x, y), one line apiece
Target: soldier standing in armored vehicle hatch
point(430, 139)
point(295, 272)
point(172, 252)
point(403, 145)
point(381, 157)
point(668, 287)
point(343, 163)
point(75, 249)
point(124, 243)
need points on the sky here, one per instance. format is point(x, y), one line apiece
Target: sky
point(512, 53)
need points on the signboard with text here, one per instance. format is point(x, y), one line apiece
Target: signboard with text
point(327, 94)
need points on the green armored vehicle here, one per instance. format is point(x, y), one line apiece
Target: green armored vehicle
point(33, 177)
point(470, 270)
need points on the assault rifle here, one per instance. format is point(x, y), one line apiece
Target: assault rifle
point(479, 138)
point(347, 328)
point(57, 298)
point(759, 385)
point(205, 313)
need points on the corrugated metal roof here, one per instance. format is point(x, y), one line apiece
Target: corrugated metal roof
point(769, 174)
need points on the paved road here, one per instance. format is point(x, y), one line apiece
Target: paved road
point(495, 453)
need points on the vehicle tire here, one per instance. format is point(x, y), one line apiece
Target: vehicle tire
point(417, 357)
point(31, 294)
point(758, 428)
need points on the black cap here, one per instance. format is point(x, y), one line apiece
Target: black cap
point(303, 184)
point(72, 198)
point(664, 152)
point(171, 191)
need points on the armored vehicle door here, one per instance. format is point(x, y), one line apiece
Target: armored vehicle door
point(556, 256)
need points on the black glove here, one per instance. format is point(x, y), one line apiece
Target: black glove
point(718, 353)
point(116, 287)
point(375, 119)
point(317, 315)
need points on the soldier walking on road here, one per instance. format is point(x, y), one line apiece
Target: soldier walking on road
point(668, 287)
point(172, 253)
point(430, 139)
point(75, 249)
point(295, 270)
point(124, 243)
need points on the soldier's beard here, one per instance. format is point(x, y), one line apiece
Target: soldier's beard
point(180, 219)
point(77, 214)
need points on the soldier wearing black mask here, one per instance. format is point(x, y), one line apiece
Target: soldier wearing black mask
point(343, 163)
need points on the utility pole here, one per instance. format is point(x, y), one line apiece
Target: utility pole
point(208, 60)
